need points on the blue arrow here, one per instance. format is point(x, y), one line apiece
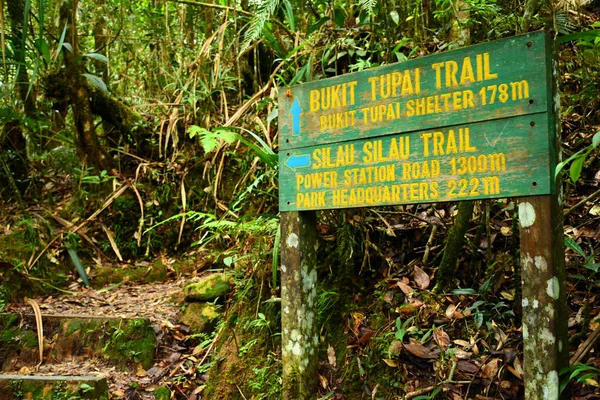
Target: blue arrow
point(298, 161)
point(296, 111)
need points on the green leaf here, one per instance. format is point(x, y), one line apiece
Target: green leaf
point(570, 243)
point(340, 17)
point(558, 168)
point(464, 291)
point(97, 56)
point(96, 81)
point(289, 14)
point(576, 167)
point(42, 47)
point(195, 130)
point(596, 140)
point(395, 17)
point(68, 47)
point(317, 25)
point(587, 36)
point(78, 265)
point(592, 266)
point(273, 114)
point(478, 319)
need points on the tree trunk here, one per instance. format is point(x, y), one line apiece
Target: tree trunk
point(89, 149)
point(16, 14)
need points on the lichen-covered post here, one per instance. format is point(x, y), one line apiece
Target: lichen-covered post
point(545, 338)
point(299, 330)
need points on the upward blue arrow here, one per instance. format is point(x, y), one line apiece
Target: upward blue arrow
point(296, 111)
point(298, 161)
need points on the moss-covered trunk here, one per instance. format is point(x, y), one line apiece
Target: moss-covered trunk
point(89, 148)
point(299, 336)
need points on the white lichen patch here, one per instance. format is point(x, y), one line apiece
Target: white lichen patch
point(550, 386)
point(286, 310)
point(553, 288)
point(535, 304)
point(549, 311)
point(525, 332)
point(525, 302)
point(297, 349)
point(283, 268)
point(526, 260)
point(292, 240)
point(295, 335)
point(547, 336)
point(526, 214)
point(541, 263)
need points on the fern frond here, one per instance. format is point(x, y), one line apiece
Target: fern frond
point(367, 5)
point(264, 11)
point(564, 24)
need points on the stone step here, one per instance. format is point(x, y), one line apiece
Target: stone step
point(46, 387)
point(123, 342)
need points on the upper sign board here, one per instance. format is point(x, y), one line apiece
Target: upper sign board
point(493, 80)
point(466, 124)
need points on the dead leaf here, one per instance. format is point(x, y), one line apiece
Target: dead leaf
point(490, 370)
point(407, 290)
point(441, 338)
point(395, 348)
point(467, 366)
point(331, 356)
point(366, 334)
point(450, 310)
point(390, 363)
point(324, 381)
point(419, 350)
point(462, 343)
point(462, 355)
point(508, 295)
point(421, 278)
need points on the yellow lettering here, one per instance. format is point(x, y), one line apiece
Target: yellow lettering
point(314, 100)
point(438, 74)
point(487, 72)
point(466, 74)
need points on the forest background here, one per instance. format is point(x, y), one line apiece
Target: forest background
point(144, 130)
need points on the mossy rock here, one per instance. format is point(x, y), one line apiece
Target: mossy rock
point(53, 387)
point(133, 341)
point(201, 317)
point(162, 393)
point(208, 288)
point(123, 342)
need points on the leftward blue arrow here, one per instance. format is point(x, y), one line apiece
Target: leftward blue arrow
point(295, 112)
point(298, 161)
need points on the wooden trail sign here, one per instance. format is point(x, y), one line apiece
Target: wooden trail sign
point(489, 159)
point(465, 124)
point(493, 80)
point(476, 123)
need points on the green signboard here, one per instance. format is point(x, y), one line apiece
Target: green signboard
point(465, 124)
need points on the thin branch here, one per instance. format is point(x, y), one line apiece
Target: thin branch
point(577, 206)
point(209, 5)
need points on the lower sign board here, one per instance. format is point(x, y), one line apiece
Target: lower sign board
point(491, 159)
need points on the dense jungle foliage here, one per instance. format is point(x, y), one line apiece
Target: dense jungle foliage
point(147, 130)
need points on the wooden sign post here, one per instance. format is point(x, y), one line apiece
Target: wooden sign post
point(474, 123)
